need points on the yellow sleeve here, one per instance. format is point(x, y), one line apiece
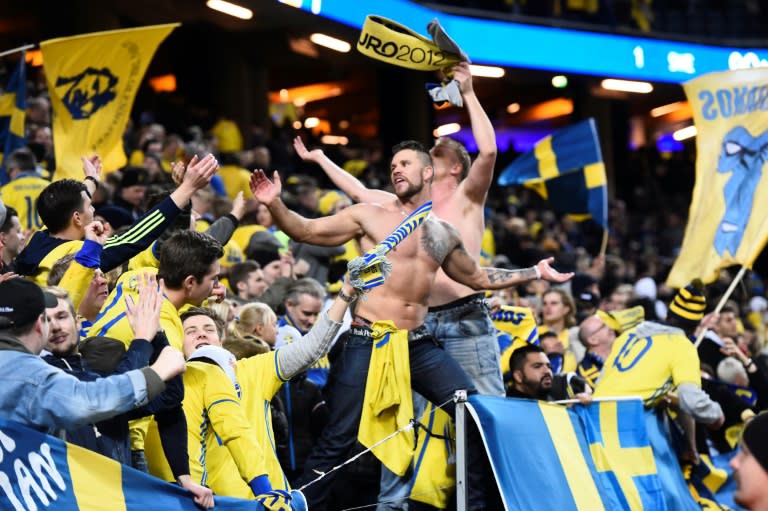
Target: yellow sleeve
point(76, 280)
point(44, 268)
point(685, 363)
point(231, 426)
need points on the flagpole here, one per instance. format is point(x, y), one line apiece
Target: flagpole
point(724, 299)
point(604, 244)
point(17, 50)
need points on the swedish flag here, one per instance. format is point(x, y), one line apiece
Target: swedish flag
point(13, 106)
point(595, 457)
point(566, 169)
point(41, 471)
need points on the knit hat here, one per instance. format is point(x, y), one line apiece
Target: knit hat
point(754, 436)
point(263, 247)
point(689, 303)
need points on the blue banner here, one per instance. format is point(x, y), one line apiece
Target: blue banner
point(40, 471)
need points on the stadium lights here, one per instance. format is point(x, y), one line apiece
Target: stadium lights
point(334, 140)
point(238, 11)
point(667, 109)
point(330, 42)
point(685, 133)
point(311, 122)
point(486, 71)
point(627, 86)
point(513, 108)
point(446, 129)
point(559, 81)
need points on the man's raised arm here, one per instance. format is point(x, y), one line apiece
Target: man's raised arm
point(480, 175)
point(326, 231)
point(346, 182)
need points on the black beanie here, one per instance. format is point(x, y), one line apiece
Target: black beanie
point(755, 433)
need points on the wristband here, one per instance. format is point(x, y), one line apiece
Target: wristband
point(346, 297)
point(749, 364)
point(91, 178)
point(260, 485)
point(538, 272)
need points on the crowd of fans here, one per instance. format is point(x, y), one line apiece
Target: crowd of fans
point(175, 250)
point(700, 19)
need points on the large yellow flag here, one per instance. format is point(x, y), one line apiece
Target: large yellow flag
point(728, 219)
point(92, 80)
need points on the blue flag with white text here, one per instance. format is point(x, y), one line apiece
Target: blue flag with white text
point(39, 471)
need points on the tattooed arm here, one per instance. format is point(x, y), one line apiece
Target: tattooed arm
point(445, 245)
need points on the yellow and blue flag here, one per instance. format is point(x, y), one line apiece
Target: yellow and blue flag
point(92, 80)
point(595, 457)
point(13, 111)
point(726, 220)
point(41, 471)
point(566, 169)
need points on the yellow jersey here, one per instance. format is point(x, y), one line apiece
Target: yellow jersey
point(259, 380)
point(21, 194)
point(649, 361)
point(215, 419)
point(236, 179)
point(112, 321)
point(569, 359)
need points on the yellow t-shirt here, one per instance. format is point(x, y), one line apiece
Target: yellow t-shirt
point(259, 381)
point(21, 194)
point(569, 359)
point(242, 235)
point(236, 179)
point(112, 321)
point(214, 415)
point(649, 366)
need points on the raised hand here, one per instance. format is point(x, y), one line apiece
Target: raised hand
point(178, 169)
point(462, 75)
point(263, 189)
point(238, 206)
point(95, 231)
point(304, 153)
point(92, 166)
point(200, 171)
point(144, 317)
point(551, 274)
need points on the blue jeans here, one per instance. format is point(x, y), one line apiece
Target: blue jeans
point(434, 374)
point(464, 328)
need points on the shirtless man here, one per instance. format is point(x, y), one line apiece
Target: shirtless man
point(403, 299)
point(458, 317)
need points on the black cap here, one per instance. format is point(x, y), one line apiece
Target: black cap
point(133, 176)
point(21, 302)
point(263, 247)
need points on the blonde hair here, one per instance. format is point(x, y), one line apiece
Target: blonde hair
point(248, 318)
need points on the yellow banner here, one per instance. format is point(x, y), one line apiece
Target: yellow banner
point(728, 218)
point(92, 80)
point(391, 42)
